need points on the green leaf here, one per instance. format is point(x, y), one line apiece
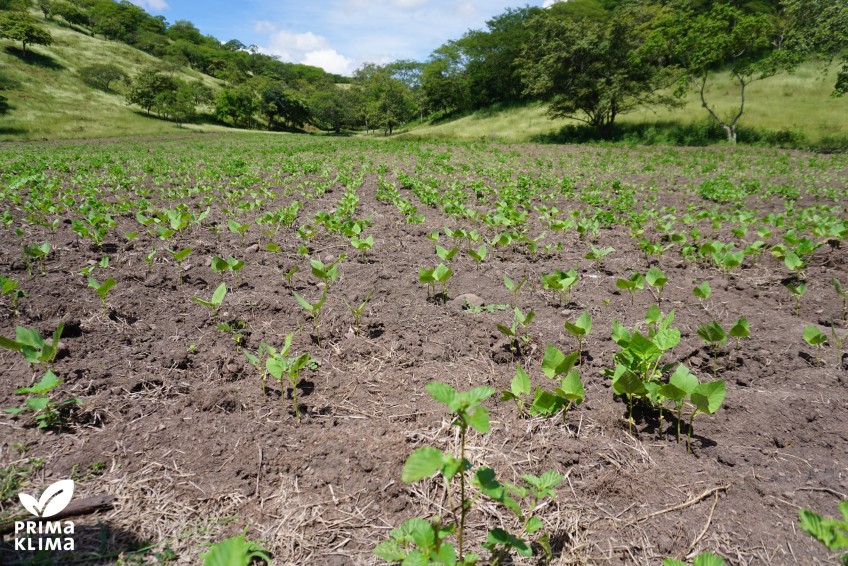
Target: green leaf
point(581, 327)
point(708, 559)
point(546, 403)
point(572, 387)
point(813, 336)
point(234, 551)
point(501, 537)
point(556, 363)
point(520, 383)
point(712, 333)
point(307, 306)
point(625, 382)
point(740, 329)
point(441, 392)
point(703, 291)
point(421, 464)
point(655, 277)
point(683, 379)
point(479, 420)
point(534, 525)
point(708, 397)
point(478, 394)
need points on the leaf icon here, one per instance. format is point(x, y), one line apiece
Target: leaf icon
point(56, 497)
point(30, 503)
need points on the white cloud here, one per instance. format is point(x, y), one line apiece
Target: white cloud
point(152, 5)
point(307, 48)
point(549, 3)
point(330, 60)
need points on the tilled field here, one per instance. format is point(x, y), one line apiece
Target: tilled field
point(173, 421)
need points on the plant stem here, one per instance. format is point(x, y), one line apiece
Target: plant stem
point(630, 417)
point(689, 436)
point(462, 510)
point(293, 381)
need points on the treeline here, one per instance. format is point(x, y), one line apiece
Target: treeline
point(589, 60)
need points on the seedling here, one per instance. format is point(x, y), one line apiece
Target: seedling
point(102, 290)
point(179, 257)
point(561, 282)
point(235, 551)
point(570, 392)
point(703, 559)
point(32, 346)
point(9, 288)
point(514, 332)
point(214, 303)
point(328, 273)
point(636, 282)
point(257, 360)
point(740, 329)
point(833, 533)
point(439, 274)
point(279, 365)
point(707, 398)
point(478, 255)
point(357, 311)
point(37, 253)
point(519, 387)
point(231, 264)
point(289, 275)
point(842, 293)
point(149, 260)
point(234, 330)
point(598, 255)
point(363, 244)
point(580, 329)
point(446, 254)
point(48, 412)
point(713, 334)
point(656, 279)
point(815, 338)
point(314, 310)
point(703, 292)
point(626, 382)
point(838, 341)
point(237, 228)
point(797, 291)
point(680, 385)
point(514, 288)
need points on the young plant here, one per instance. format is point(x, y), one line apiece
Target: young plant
point(514, 332)
point(656, 279)
point(102, 290)
point(478, 255)
point(439, 274)
point(707, 398)
point(514, 288)
point(680, 385)
point(815, 338)
point(179, 257)
point(519, 387)
point(580, 328)
point(314, 310)
point(231, 264)
point(36, 253)
point(833, 533)
point(445, 254)
point(363, 244)
point(148, 259)
point(598, 255)
point(703, 292)
point(357, 311)
point(214, 303)
point(9, 288)
point(740, 329)
point(569, 393)
point(703, 559)
point(636, 282)
point(797, 291)
point(280, 366)
point(713, 334)
point(34, 348)
point(234, 330)
point(48, 412)
point(235, 551)
point(328, 273)
point(561, 282)
point(838, 341)
point(842, 293)
point(257, 360)
point(237, 228)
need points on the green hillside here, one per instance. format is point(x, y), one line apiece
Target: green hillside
point(800, 101)
point(49, 100)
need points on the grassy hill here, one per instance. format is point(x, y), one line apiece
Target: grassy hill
point(800, 101)
point(49, 100)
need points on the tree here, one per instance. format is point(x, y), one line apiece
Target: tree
point(70, 13)
point(280, 103)
point(238, 104)
point(20, 26)
point(149, 84)
point(177, 105)
point(388, 101)
point(819, 27)
point(102, 75)
point(746, 44)
point(444, 82)
point(590, 70)
point(330, 109)
point(46, 7)
point(201, 93)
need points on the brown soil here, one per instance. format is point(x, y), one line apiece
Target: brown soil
point(194, 452)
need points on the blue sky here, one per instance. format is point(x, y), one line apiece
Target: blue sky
point(337, 35)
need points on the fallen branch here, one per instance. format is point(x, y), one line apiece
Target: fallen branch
point(683, 505)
